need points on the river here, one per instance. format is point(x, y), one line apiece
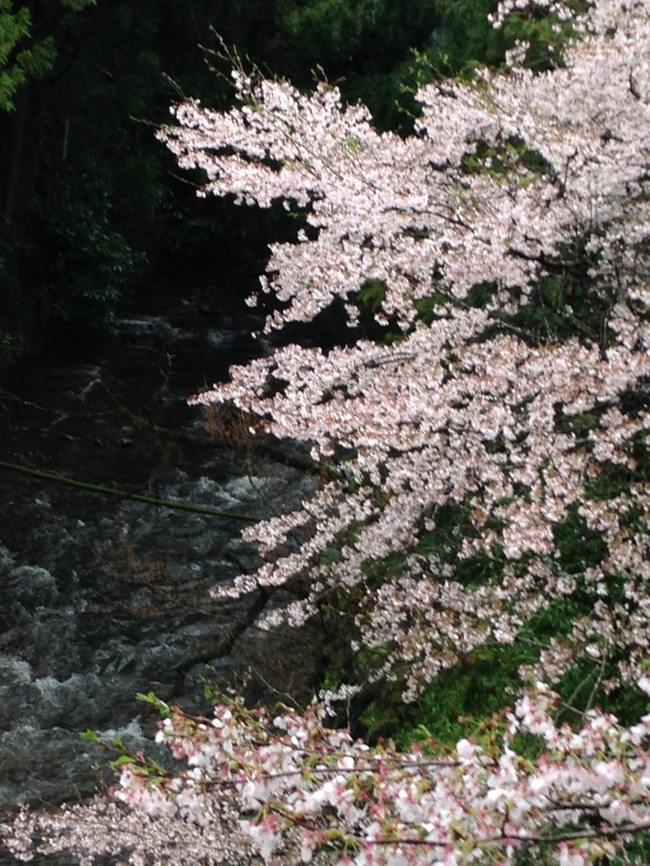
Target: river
point(103, 597)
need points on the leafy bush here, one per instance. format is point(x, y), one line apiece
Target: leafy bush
point(88, 265)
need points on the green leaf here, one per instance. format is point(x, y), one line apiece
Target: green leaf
point(122, 760)
point(90, 737)
point(154, 701)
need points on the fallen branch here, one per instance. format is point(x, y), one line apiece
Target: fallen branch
point(124, 494)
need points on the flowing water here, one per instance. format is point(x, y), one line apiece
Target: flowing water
point(103, 597)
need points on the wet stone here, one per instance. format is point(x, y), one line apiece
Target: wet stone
point(103, 597)
point(32, 586)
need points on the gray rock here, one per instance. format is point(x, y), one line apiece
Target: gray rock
point(33, 586)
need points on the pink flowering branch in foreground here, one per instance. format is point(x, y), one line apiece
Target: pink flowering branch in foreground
point(303, 791)
point(587, 793)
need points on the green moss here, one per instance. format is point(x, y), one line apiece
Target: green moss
point(577, 546)
point(458, 703)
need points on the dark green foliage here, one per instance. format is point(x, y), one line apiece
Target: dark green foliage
point(636, 400)
point(456, 704)
point(578, 547)
point(13, 315)
point(428, 308)
point(613, 479)
point(27, 51)
point(379, 52)
point(582, 687)
point(637, 850)
point(501, 160)
point(462, 700)
point(369, 301)
point(545, 33)
point(368, 36)
point(89, 265)
point(464, 38)
point(18, 58)
point(370, 297)
point(566, 302)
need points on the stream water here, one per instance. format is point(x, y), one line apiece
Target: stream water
point(102, 597)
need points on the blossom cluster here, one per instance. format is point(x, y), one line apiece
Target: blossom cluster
point(301, 788)
point(515, 181)
point(589, 792)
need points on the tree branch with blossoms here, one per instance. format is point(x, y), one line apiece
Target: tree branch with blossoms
point(291, 777)
point(522, 186)
point(481, 803)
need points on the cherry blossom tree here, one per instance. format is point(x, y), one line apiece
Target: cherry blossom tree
point(522, 195)
point(503, 408)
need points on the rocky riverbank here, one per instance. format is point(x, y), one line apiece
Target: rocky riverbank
point(102, 597)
